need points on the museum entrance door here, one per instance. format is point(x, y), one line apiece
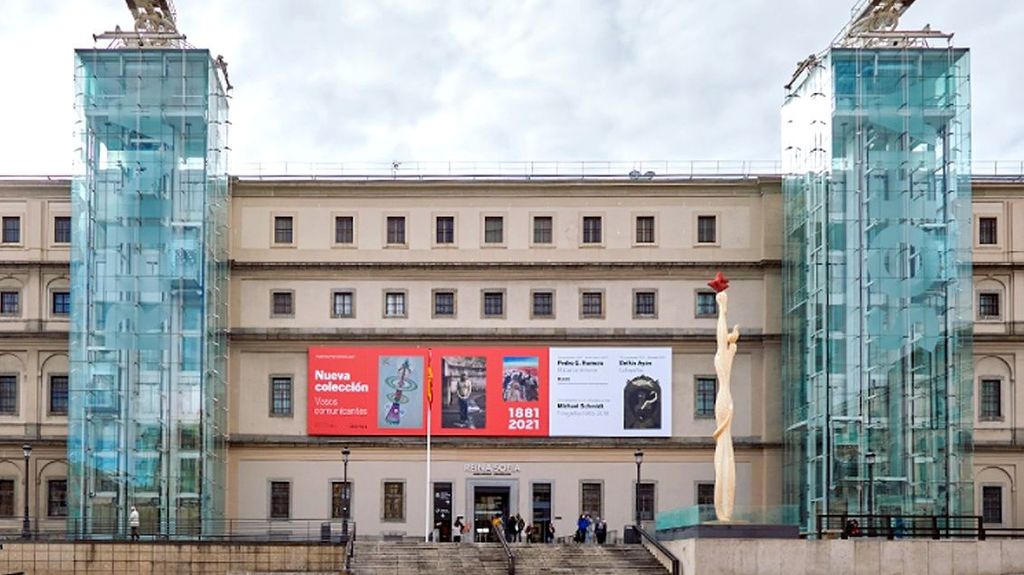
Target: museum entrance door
point(487, 501)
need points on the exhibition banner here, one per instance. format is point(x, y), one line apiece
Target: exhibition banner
point(380, 391)
point(611, 392)
point(490, 391)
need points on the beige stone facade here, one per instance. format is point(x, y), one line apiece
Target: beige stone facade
point(613, 238)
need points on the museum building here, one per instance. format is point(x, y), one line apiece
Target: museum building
point(203, 346)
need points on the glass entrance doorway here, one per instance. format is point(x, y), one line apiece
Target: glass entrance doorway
point(488, 501)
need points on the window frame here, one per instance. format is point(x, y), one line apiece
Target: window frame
point(49, 396)
point(336, 217)
point(330, 497)
point(292, 231)
point(998, 302)
point(17, 302)
point(3, 231)
point(434, 293)
point(387, 231)
point(1002, 502)
point(696, 229)
point(998, 381)
point(696, 491)
point(435, 240)
point(16, 405)
point(56, 228)
point(291, 303)
point(483, 303)
point(533, 230)
point(14, 497)
point(484, 242)
point(50, 512)
point(584, 218)
point(696, 303)
point(271, 515)
point(644, 516)
point(405, 303)
point(697, 413)
point(636, 229)
point(994, 231)
point(533, 308)
point(637, 292)
point(584, 292)
point(384, 518)
point(582, 496)
point(272, 379)
point(334, 303)
point(53, 303)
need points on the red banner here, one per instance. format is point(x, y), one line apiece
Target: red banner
point(382, 391)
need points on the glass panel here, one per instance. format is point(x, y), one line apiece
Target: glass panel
point(591, 230)
point(344, 230)
point(543, 304)
point(494, 229)
point(542, 229)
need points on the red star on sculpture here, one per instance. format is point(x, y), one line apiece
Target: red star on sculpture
point(719, 284)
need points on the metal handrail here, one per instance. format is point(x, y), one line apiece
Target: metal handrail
point(509, 557)
point(901, 526)
point(661, 548)
point(350, 546)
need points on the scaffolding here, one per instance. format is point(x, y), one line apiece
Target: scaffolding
point(877, 373)
point(147, 413)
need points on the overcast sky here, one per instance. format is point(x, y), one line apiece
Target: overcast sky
point(374, 80)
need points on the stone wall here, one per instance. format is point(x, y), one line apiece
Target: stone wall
point(158, 558)
point(847, 557)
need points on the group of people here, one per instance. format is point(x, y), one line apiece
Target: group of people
point(514, 529)
point(520, 385)
point(589, 530)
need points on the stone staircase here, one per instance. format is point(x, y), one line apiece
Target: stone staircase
point(409, 558)
point(570, 559)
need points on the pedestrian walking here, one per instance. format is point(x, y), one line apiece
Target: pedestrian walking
point(133, 523)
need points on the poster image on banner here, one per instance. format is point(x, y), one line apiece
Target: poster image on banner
point(611, 392)
point(400, 388)
point(465, 378)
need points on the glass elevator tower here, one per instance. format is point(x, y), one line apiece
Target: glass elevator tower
point(147, 414)
point(877, 373)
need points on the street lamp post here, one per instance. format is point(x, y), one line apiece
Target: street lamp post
point(346, 492)
point(26, 525)
point(638, 455)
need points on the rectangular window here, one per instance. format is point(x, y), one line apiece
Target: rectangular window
point(344, 230)
point(592, 304)
point(10, 303)
point(542, 229)
point(189, 438)
point(396, 230)
point(61, 304)
point(283, 230)
point(591, 501)
point(342, 304)
point(57, 498)
point(543, 304)
point(8, 394)
point(705, 388)
point(11, 230)
point(280, 396)
point(991, 399)
point(444, 304)
point(987, 231)
point(280, 499)
point(646, 501)
point(705, 494)
point(341, 500)
point(444, 230)
point(592, 229)
point(494, 230)
point(6, 498)
point(394, 304)
point(706, 229)
point(62, 230)
point(394, 501)
point(58, 395)
point(992, 503)
point(645, 229)
point(706, 304)
point(988, 305)
point(282, 303)
point(644, 304)
point(494, 304)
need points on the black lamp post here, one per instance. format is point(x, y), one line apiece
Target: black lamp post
point(346, 492)
point(26, 525)
point(638, 455)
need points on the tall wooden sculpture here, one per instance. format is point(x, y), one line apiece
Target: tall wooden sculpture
point(725, 464)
